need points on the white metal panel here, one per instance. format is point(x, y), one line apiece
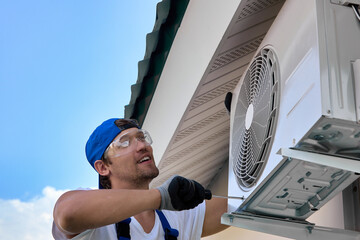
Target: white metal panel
point(289, 229)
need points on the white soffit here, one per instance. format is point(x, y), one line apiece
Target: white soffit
point(187, 116)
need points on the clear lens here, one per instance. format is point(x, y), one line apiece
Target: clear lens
point(127, 142)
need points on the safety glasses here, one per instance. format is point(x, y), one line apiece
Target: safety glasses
point(127, 142)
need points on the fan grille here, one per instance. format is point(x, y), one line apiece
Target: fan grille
point(254, 121)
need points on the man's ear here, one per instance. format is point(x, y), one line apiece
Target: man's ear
point(101, 168)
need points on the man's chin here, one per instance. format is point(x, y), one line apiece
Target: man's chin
point(150, 175)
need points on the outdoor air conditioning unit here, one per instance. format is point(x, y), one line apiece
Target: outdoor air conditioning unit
point(299, 92)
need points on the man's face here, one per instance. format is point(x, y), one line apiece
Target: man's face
point(131, 157)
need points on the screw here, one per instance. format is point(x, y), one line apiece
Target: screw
point(309, 228)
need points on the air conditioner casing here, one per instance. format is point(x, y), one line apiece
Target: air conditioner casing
point(313, 44)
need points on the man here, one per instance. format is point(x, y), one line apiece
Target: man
point(124, 207)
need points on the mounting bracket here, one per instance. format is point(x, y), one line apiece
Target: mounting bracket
point(299, 230)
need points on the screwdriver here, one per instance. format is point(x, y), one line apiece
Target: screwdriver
point(209, 195)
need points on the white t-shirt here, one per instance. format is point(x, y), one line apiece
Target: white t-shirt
point(189, 223)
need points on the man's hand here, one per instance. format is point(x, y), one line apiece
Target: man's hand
point(179, 193)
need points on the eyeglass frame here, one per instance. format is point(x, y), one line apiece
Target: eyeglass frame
point(147, 140)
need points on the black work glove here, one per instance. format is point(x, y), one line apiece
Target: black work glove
point(179, 193)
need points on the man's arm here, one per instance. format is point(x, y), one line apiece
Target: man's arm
point(215, 208)
point(77, 211)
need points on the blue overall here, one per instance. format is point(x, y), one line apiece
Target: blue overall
point(123, 228)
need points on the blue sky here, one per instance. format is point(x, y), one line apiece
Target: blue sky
point(65, 66)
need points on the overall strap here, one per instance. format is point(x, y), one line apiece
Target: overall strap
point(170, 233)
point(123, 229)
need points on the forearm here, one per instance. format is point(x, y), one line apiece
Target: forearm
point(77, 211)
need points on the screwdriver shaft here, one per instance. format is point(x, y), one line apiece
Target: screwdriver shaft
point(228, 197)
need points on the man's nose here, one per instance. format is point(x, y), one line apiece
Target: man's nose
point(141, 145)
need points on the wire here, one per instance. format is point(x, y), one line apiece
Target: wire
point(356, 10)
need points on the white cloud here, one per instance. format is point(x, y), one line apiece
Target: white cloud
point(28, 220)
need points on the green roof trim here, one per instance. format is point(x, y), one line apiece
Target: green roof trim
point(169, 14)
